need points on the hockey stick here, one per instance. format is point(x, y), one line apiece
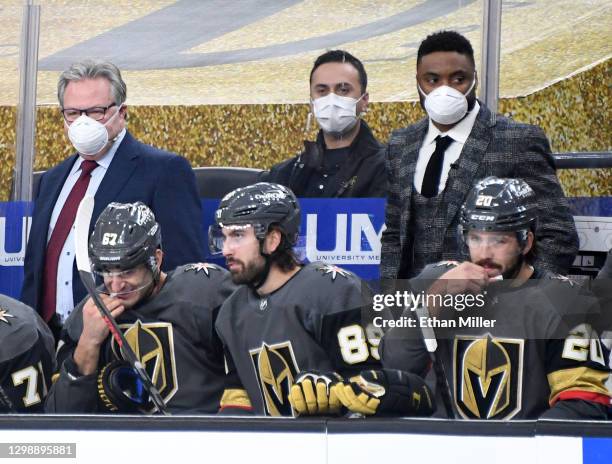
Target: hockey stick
point(429, 337)
point(81, 243)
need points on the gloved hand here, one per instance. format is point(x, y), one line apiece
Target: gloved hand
point(312, 393)
point(121, 390)
point(386, 392)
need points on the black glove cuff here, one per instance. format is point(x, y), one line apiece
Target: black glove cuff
point(120, 389)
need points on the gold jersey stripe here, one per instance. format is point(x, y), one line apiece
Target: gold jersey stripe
point(577, 379)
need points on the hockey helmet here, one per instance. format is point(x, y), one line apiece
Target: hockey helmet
point(259, 205)
point(499, 205)
point(125, 235)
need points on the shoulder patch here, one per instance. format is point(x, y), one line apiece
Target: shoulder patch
point(333, 270)
point(4, 315)
point(447, 264)
point(204, 267)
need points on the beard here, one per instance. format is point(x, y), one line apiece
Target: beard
point(471, 99)
point(249, 273)
point(513, 270)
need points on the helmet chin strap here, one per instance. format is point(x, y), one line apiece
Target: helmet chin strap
point(148, 284)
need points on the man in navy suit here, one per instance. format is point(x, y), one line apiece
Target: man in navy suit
point(111, 165)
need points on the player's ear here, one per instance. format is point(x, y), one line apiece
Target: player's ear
point(159, 257)
point(273, 240)
point(528, 243)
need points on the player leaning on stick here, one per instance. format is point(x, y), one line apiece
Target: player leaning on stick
point(537, 354)
point(292, 332)
point(167, 318)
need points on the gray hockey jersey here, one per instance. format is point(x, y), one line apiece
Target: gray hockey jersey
point(524, 351)
point(173, 335)
point(313, 322)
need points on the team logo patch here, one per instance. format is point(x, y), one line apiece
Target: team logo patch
point(204, 267)
point(333, 270)
point(4, 315)
point(153, 344)
point(488, 377)
point(275, 369)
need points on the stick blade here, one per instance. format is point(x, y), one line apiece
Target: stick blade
point(81, 233)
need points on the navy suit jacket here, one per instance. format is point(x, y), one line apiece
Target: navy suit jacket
point(162, 180)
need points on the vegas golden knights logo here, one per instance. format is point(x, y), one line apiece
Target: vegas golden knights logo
point(275, 368)
point(488, 374)
point(153, 344)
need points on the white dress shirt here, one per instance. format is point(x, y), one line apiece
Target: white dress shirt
point(459, 133)
point(64, 299)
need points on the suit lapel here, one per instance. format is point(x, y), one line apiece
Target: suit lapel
point(461, 177)
point(55, 178)
point(120, 170)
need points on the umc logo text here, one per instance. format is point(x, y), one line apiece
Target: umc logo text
point(358, 243)
point(13, 257)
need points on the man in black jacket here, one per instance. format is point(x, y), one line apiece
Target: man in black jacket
point(346, 160)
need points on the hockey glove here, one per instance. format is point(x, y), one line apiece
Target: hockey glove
point(387, 392)
point(121, 390)
point(312, 393)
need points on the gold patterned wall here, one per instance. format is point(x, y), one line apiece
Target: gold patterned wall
point(575, 113)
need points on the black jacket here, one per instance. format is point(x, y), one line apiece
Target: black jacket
point(362, 174)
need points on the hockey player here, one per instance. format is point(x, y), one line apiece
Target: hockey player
point(27, 359)
point(168, 320)
point(524, 349)
point(290, 331)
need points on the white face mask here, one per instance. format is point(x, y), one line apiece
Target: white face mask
point(446, 105)
point(89, 136)
point(336, 114)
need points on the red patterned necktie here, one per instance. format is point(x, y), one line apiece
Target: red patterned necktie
point(58, 238)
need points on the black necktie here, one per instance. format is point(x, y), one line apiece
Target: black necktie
point(431, 179)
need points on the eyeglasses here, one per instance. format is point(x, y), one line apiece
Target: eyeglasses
point(96, 113)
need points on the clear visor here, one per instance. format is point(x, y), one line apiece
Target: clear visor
point(479, 240)
point(232, 235)
point(123, 283)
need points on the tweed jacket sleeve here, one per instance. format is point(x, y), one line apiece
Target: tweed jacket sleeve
point(556, 237)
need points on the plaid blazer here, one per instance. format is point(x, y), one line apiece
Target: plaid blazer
point(497, 146)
